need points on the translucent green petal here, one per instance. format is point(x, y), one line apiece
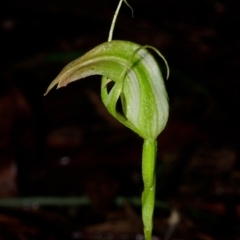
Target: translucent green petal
point(137, 78)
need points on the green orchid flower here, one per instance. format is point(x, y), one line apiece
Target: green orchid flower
point(138, 81)
point(139, 85)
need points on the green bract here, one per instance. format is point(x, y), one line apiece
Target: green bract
point(138, 83)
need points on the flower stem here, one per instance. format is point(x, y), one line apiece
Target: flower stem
point(149, 181)
point(115, 18)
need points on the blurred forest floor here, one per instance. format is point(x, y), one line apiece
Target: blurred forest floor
point(66, 144)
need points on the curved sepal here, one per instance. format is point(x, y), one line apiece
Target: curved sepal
point(138, 81)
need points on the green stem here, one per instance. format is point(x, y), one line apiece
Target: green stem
point(149, 181)
point(115, 18)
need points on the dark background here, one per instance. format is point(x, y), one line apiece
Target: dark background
point(66, 144)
